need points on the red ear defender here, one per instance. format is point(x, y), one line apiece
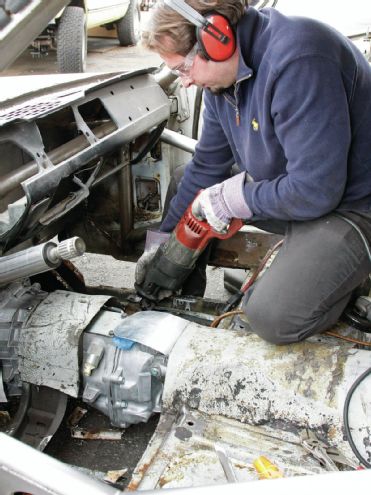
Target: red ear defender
point(216, 39)
point(214, 32)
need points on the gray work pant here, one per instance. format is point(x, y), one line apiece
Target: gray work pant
point(310, 281)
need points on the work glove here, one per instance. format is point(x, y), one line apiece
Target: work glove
point(220, 203)
point(153, 240)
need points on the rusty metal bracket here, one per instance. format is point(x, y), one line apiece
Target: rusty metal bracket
point(243, 250)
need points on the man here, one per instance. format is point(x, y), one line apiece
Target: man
point(292, 108)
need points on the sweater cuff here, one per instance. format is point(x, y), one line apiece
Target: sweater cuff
point(234, 197)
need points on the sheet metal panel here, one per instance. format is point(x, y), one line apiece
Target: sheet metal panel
point(182, 452)
point(51, 337)
point(289, 388)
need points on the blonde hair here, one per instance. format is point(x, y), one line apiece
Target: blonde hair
point(167, 25)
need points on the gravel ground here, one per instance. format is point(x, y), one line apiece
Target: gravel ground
point(104, 270)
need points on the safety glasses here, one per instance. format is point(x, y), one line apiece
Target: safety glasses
point(185, 67)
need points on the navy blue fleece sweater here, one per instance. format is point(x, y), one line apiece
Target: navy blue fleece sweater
point(303, 101)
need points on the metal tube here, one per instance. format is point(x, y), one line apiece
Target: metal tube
point(165, 77)
point(178, 140)
point(125, 200)
point(38, 259)
point(12, 180)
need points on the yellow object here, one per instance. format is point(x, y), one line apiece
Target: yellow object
point(255, 124)
point(265, 469)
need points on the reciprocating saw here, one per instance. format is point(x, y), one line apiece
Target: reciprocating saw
point(175, 260)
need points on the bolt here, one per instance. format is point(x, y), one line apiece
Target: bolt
point(87, 369)
point(155, 372)
point(117, 379)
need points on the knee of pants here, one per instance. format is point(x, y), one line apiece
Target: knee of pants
point(277, 325)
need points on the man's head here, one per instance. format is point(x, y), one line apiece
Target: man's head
point(174, 38)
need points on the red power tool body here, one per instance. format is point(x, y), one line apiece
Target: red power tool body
point(175, 260)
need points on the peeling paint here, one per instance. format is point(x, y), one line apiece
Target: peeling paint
point(183, 433)
point(242, 377)
point(179, 464)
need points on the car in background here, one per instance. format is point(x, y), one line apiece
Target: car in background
point(20, 22)
point(68, 32)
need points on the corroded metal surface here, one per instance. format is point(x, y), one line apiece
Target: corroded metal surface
point(51, 337)
point(230, 373)
point(183, 452)
point(243, 250)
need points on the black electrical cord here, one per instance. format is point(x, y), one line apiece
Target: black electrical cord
point(346, 417)
point(152, 140)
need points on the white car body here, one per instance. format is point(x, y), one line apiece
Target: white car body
point(68, 31)
point(100, 12)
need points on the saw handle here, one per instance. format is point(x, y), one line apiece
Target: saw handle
point(195, 234)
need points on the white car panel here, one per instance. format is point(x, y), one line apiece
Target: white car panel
point(103, 12)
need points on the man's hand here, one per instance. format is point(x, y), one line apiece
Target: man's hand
point(153, 241)
point(209, 206)
point(220, 203)
point(142, 265)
